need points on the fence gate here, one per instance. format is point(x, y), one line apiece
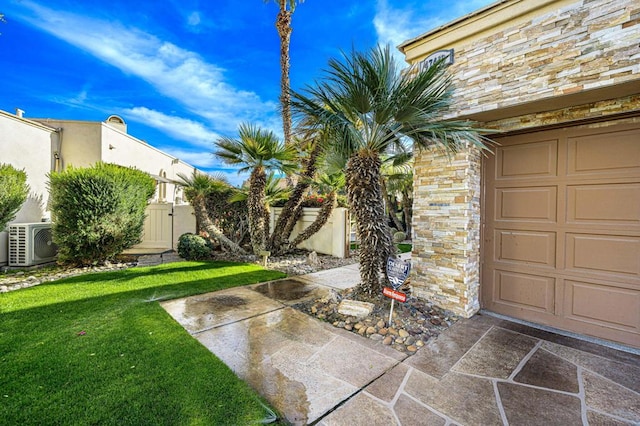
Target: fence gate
point(158, 227)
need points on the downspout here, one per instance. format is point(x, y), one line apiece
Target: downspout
point(57, 165)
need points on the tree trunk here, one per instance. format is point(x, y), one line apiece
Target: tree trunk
point(256, 209)
point(407, 210)
point(290, 212)
point(283, 25)
point(366, 202)
point(390, 207)
point(323, 216)
point(202, 216)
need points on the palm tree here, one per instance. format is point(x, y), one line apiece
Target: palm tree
point(311, 148)
point(373, 107)
point(283, 25)
point(258, 151)
point(197, 188)
point(273, 193)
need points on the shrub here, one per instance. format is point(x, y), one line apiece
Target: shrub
point(399, 237)
point(194, 247)
point(98, 211)
point(13, 192)
point(231, 218)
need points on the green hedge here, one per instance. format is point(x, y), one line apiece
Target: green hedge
point(13, 193)
point(98, 211)
point(194, 247)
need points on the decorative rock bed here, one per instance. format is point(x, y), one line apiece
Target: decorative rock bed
point(413, 323)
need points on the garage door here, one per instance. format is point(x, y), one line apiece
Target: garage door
point(562, 230)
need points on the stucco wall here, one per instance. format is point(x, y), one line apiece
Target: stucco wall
point(331, 239)
point(85, 143)
point(29, 146)
point(541, 66)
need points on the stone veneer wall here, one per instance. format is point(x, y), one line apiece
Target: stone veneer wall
point(446, 229)
point(586, 45)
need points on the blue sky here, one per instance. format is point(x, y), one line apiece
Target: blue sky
point(184, 72)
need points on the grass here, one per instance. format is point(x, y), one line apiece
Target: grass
point(99, 349)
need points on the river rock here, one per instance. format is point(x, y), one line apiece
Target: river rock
point(355, 308)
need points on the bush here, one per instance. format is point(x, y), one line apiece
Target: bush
point(13, 192)
point(98, 211)
point(399, 237)
point(194, 247)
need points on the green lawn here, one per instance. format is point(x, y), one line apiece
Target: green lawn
point(99, 349)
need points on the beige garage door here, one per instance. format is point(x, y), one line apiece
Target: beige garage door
point(562, 230)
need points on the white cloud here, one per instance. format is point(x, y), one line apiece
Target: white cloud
point(190, 131)
point(399, 21)
point(207, 162)
point(175, 72)
point(193, 20)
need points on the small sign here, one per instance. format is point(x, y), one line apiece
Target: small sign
point(446, 55)
point(397, 271)
point(394, 294)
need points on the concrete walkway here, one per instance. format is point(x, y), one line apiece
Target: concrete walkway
point(482, 371)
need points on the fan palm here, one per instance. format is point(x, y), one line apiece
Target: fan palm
point(372, 107)
point(197, 188)
point(258, 151)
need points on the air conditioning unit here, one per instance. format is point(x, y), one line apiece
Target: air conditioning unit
point(31, 244)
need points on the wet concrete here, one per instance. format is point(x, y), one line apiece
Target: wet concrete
point(483, 370)
point(290, 291)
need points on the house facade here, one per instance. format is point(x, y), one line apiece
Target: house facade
point(40, 146)
point(546, 227)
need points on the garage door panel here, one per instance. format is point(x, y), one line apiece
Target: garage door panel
point(538, 159)
point(619, 255)
point(602, 304)
point(526, 247)
point(604, 153)
point(612, 204)
point(528, 204)
point(525, 291)
point(562, 229)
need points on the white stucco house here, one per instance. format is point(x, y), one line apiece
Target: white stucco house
point(39, 146)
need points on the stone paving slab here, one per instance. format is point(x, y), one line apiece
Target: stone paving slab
point(206, 311)
point(479, 373)
point(338, 278)
point(482, 370)
point(301, 366)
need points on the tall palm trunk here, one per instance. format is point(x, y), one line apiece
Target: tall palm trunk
point(256, 209)
point(366, 202)
point(323, 217)
point(283, 25)
point(202, 215)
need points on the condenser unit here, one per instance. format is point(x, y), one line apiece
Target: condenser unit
point(31, 244)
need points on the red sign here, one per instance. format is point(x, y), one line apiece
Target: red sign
point(394, 294)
